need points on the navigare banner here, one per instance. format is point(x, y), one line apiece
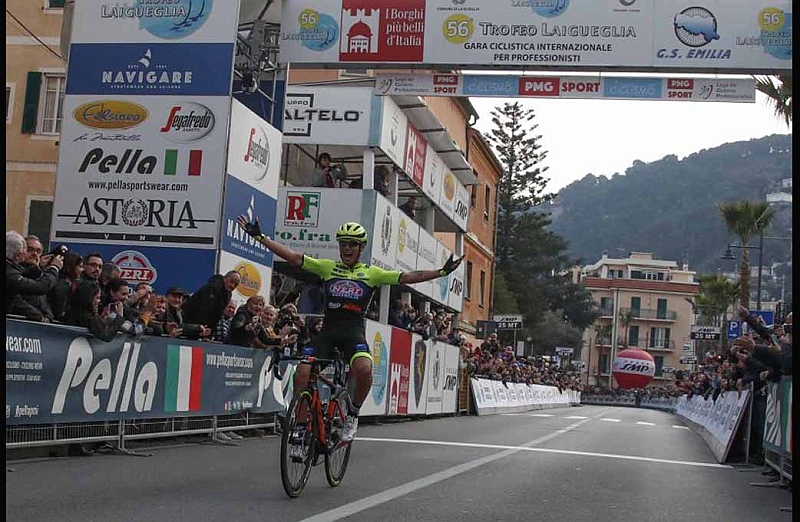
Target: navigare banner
point(498, 397)
point(58, 374)
point(742, 90)
point(716, 421)
point(745, 36)
point(141, 170)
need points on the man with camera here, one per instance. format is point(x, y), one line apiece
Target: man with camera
point(326, 175)
point(27, 286)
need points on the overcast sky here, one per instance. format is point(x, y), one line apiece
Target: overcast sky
point(603, 137)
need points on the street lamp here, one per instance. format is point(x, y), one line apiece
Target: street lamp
point(729, 255)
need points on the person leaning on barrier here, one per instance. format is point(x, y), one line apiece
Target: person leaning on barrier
point(20, 285)
point(206, 305)
point(84, 310)
point(175, 325)
point(34, 265)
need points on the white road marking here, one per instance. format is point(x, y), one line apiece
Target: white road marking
point(611, 420)
point(514, 414)
point(541, 415)
point(404, 489)
point(646, 423)
point(548, 450)
point(680, 427)
point(576, 417)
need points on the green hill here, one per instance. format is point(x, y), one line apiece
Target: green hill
point(668, 207)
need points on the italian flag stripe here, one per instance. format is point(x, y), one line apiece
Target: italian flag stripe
point(184, 378)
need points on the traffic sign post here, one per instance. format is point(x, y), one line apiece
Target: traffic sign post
point(705, 333)
point(734, 329)
point(508, 322)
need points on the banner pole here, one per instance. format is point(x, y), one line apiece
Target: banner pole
point(749, 424)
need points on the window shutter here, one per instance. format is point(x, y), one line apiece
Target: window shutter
point(31, 108)
point(666, 337)
point(652, 337)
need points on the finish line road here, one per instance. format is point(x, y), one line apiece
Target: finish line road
point(594, 463)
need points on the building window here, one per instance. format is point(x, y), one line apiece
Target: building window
point(603, 363)
point(661, 312)
point(38, 214)
point(482, 299)
point(633, 335)
point(55, 4)
point(473, 195)
point(659, 338)
point(636, 303)
point(468, 282)
point(9, 102)
point(51, 104)
point(605, 303)
point(487, 202)
point(659, 360)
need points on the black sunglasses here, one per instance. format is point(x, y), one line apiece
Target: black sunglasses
point(351, 244)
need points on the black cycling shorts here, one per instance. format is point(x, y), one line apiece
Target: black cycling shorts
point(349, 339)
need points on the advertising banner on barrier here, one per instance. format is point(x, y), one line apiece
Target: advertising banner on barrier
point(394, 131)
point(256, 278)
point(737, 36)
point(328, 116)
point(379, 338)
point(496, 397)
point(419, 379)
point(436, 380)
point(399, 372)
point(716, 421)
point(159, 267)
point(140, 170)
point(254, 151)
point(308, 218)
point(191, 21)
point(741, 90)
point(385, 234)
point(58, 374)
point(407, 243)
point(427, 260)
point(778, 421)
point(450, 380)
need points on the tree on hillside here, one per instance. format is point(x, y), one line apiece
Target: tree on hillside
point(523, 183)
point(746, 219)
point(779, 94)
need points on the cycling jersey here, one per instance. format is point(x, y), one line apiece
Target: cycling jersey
point(348, 291)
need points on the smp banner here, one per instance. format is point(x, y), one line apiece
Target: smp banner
point(62, 374)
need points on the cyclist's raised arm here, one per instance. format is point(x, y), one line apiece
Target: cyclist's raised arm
point(282, 251)
point(419, 276)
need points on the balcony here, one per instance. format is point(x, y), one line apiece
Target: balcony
point(660, 345)
point(650, 315)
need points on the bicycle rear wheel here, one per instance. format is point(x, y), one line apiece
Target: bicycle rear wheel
point(338, 456)
point(296, 470)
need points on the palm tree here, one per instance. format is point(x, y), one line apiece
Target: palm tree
point(602, 331)
point(717, 294)
point(779, 94)
point(626, 320)
point(746, 219)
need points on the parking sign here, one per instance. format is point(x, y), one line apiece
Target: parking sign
point(734, 329)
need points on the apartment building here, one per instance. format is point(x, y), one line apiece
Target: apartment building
point(643, 302)
point(35, 80)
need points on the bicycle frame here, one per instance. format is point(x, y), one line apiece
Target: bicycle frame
point(316, 403)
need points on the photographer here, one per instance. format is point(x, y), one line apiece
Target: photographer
point(25, 286)
point(248, 327)
point(325, 174)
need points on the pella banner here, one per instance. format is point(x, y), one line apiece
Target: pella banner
point(735, 36)
point(144, 170)
point(60, 374)
point(737, 90)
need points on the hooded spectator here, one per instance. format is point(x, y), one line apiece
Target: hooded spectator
point(206, 305)
point(62, 291)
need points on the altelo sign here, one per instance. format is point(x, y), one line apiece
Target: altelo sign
point(327, 115)
point(742, 36)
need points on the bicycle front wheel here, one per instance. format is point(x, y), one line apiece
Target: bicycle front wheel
point(298, 445)
point(338, 456)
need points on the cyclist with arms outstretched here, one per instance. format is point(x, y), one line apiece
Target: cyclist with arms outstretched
point(348, 288)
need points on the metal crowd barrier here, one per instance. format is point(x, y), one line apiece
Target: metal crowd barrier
point(657, 403)
point(778, 429)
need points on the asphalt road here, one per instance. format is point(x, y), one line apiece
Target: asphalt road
point(588, 463)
